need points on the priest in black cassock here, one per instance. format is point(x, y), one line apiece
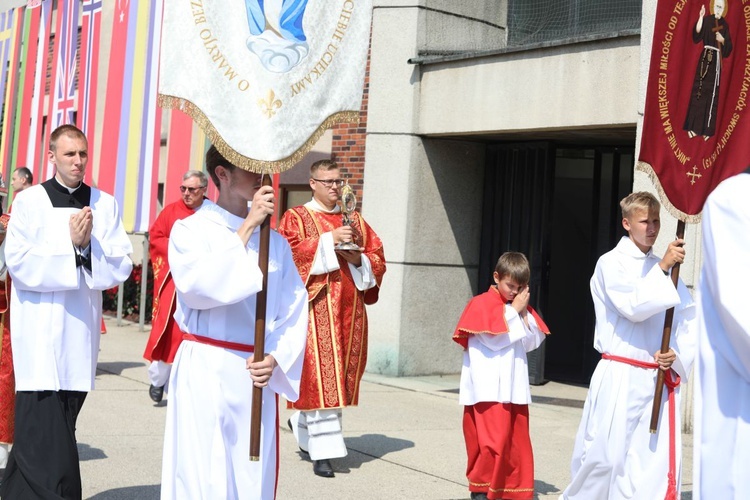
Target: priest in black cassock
point(65, 244)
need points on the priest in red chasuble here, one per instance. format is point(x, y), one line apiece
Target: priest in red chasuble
point(165, 335)
point(339, 284)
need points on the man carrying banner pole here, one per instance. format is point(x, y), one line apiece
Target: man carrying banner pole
point(218, 279)
point(265, 109)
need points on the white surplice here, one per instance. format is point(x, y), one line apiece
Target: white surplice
point(57, 307)
point(207, 437)
point(495, 367)
point(722, 398)
point(615, 456)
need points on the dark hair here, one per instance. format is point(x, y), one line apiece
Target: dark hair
point(68, 130)
point(213, 160)
point(514, 265)
point(26, 174)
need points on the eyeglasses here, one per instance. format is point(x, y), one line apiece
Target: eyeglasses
point(191, 190)
point(330, 182)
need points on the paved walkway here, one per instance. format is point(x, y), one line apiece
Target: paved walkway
point(404, 439)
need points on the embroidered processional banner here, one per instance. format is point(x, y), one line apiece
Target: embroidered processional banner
point(696, 123)
point(265, 78)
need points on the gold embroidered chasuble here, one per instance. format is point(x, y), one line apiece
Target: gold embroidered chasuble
point(336, 352)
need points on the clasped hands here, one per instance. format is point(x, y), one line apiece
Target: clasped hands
point(81, 225)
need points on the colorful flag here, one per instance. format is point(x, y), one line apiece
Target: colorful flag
point(11, 87)
point(6, 40)
point(696, 123)
point(28, 87)
point(113, 103)
point(34, 155)
point(61, 110)
point(88, 73)
point(129, 155)
point(265, 80)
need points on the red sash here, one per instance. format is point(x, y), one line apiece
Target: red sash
point(218, 343)
point(671, 381)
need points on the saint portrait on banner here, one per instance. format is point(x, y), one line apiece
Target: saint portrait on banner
point(713, 31)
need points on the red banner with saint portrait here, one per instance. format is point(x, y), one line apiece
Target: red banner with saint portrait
point(696, 126)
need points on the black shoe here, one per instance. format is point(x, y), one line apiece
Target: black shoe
point(156, 393)
point(323, 468)
point(475, 495)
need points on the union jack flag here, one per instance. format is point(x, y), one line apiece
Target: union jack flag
point(64, 64)
point(90, 30)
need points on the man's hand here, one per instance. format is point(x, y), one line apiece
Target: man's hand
point(261, 371)
point(353, 257)
point(665, 360)
point(343, 234)
point(261, 207)
point(675, 254)
point(80, 227)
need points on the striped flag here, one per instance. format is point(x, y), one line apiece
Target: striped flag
point(113, 104)
point(6, 32)
point(14, 52)
point(129, 155)
point(33, 154)
point(27, 85)
point(87, 74)
point(61, 109)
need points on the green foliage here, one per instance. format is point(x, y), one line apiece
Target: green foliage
point(131, 304)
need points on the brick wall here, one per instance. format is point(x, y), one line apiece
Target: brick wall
point(348, 148)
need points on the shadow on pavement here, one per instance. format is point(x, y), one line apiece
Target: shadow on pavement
point(86, 452)
point(147, 492)
point(369, 447)
point(117, 367)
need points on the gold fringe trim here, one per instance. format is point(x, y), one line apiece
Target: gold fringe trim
point(674, 211)
point(244, 162)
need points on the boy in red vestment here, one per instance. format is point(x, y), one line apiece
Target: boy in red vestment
point(496, 330)
point(165, 337)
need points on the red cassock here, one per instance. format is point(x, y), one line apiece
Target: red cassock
point(7, 379)
point(165, 335)
point(336, 352)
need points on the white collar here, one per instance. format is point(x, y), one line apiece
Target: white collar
point(317, 207)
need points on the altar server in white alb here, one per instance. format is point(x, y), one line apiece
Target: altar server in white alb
point(722, 397)
point(213, 256)
point(65, 244)
point(615, 456)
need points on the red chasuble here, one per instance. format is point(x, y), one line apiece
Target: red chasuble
point(7, 380)
point(165, 335)
point(337, 334)
point(485, 313)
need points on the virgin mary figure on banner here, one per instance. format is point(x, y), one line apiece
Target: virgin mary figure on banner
point(277, 35)
point(713, 31)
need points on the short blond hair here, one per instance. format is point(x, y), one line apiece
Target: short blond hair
point(324, 165)
point(514, 265)
point(642, 200)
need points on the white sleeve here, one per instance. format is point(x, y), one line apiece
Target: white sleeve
point(325, 259)
point(210, 266)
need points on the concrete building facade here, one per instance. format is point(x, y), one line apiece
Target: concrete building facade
point(476, 146)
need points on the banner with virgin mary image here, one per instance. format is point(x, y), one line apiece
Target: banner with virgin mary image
point(696, 125)
point(265, 78)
